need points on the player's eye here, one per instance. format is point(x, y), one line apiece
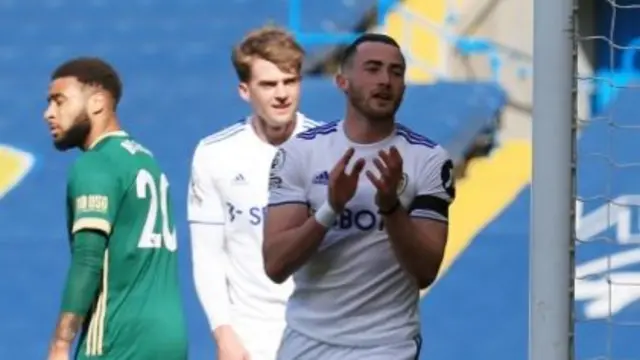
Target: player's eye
point(268, 84)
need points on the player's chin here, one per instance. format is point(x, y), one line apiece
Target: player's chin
point(281, 118)
point(380, 113)
point(62, 144)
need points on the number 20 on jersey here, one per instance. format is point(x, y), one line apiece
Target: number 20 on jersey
point(146, 188)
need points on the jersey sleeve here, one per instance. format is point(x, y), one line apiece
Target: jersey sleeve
point(286, 179)
point(435, 188)
point(204, 200)
point(94, 192)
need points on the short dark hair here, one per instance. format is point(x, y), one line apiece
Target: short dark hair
point(352, 49)
point(92, 71)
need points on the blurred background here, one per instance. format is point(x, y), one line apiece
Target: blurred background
point(470, 84)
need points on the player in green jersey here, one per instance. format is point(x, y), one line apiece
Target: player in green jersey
point(122, 293)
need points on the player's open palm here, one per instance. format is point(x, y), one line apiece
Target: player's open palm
point(343, 184)
point(389, 164)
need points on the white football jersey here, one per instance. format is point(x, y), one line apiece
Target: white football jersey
point(229, 187)
point(353, 291)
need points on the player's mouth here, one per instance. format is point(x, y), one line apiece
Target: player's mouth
point(383, 96)
point(281, 108)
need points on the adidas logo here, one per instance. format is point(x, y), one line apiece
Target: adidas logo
point(239, 179)
point(321, 178)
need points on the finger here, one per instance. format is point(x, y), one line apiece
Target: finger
point(384, 170)
point(384, 156)
point(379, 184)
point(344, 160)
point(357, 168)
point(395, 155)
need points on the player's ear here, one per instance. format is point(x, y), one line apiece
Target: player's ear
point(342, 82)
point(97, 103)
point(243, 91)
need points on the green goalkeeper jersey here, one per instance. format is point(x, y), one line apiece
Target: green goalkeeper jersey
point(118, 188)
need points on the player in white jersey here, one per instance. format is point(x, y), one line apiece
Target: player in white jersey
point(228, 194)
point(358, 214)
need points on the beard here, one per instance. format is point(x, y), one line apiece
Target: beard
point(365, 105)
point(76, 135)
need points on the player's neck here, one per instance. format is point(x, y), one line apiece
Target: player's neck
point(99, 130)
point(274, 135)
point(361, 130)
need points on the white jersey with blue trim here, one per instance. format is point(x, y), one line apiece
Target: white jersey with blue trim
point(229, 187)
point(353, 291)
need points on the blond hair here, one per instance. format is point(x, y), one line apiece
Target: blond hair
point(269, 43)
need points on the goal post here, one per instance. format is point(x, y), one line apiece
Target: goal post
point(553, 182)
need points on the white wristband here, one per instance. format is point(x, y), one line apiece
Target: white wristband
point(325, 215)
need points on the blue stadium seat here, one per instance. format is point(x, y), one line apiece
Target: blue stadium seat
point(178, 33)
point(451, 113)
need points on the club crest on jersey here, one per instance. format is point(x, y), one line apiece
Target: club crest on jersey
point(278, 160)
point(403, 183)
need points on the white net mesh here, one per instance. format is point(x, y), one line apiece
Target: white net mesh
point(607, 312)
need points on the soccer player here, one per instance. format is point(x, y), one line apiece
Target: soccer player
point(378, 194)
point(122, 289)
point(228, 195)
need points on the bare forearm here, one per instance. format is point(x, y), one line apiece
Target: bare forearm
point(287, 251)
point(66, 330)
point(420, 255)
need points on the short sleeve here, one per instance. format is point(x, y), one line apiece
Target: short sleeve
point(286, 181)
point(204, 200)
point(435, 188)
point(94, 192)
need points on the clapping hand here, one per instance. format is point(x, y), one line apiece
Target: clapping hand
point(342, 186)
point(389, 163)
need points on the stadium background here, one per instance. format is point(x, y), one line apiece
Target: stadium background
point(470, 76)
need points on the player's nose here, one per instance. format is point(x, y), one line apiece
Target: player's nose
point(49, 115)
point(281, 92)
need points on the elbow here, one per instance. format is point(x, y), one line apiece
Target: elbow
point(273, 267)
point(427, 277)
point(424, 283)
point(275, 272)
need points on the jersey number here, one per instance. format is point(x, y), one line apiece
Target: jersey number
point(147, 188)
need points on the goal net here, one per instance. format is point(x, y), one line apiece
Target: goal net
point(607, 253)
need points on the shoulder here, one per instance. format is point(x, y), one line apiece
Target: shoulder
point(94, 160)
point(415, 139)
point(225, 135)
point(318, 131)
point(219, 140)
point(302, 142)
point(422, 149)
point(307, 123)
point(94, 165)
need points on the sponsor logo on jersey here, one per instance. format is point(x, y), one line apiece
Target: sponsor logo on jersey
point(322, 178)
point(92, 203)
point(361, 219)
point(254, 214)
point(15, 165)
